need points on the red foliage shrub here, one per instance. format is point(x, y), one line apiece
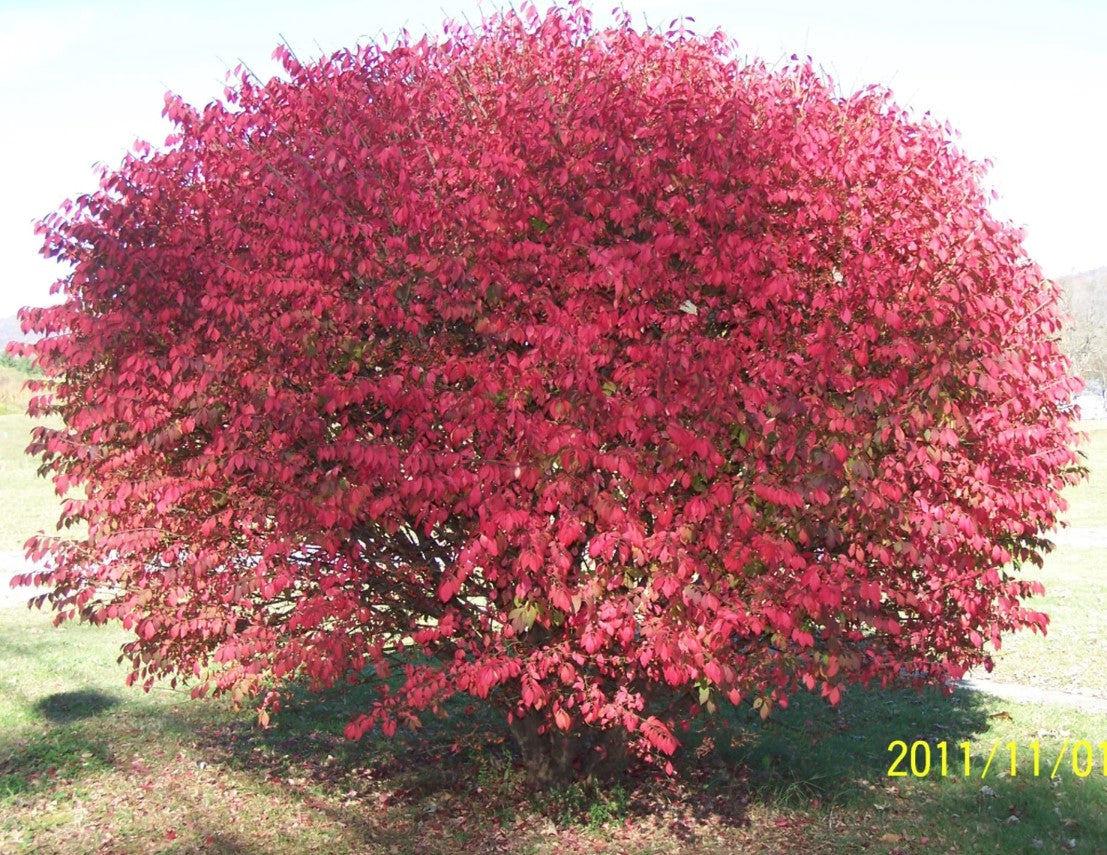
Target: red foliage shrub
point(589, 371)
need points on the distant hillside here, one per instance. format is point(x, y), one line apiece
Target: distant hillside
point(1086, 290)
point(10, 331)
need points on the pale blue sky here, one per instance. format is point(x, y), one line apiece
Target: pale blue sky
point(1025, 82)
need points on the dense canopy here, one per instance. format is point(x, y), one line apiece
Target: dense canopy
point(591, 371)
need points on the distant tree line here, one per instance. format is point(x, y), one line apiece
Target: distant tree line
point(1085, 336)
point(20, 363)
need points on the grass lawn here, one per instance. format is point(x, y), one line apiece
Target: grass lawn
point(29, 503)
point(13, 397)
point(1076, 594)
point(87, 765)
point(1088, 500)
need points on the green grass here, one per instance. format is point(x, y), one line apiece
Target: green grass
point(30, 504)
point(13, 395)
point(1076, 594)
point(1076, 602)
point(88, 765)
point(1088, 500)
point(841, 762)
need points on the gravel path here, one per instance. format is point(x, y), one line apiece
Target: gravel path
point(1095, 538)
point(1033, 694)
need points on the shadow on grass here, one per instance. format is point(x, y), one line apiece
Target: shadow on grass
point(31, 763)
point(812, 758)
point(66, 707)
point(63, 749)
point(453, 783)
point(458, 783)
point(811, 751)
point(806, 756)
point(1028, 814)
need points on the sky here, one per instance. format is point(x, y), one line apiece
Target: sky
point(1023, 81)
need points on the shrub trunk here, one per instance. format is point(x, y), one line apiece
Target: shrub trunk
point(555, 757)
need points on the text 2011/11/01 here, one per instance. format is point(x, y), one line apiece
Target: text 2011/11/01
point(921, 760)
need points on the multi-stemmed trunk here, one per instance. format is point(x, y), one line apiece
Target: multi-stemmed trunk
point(555, 757)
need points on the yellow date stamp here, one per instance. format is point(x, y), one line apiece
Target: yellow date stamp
point(921, 759)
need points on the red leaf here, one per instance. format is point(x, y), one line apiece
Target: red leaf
point(453, 345)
